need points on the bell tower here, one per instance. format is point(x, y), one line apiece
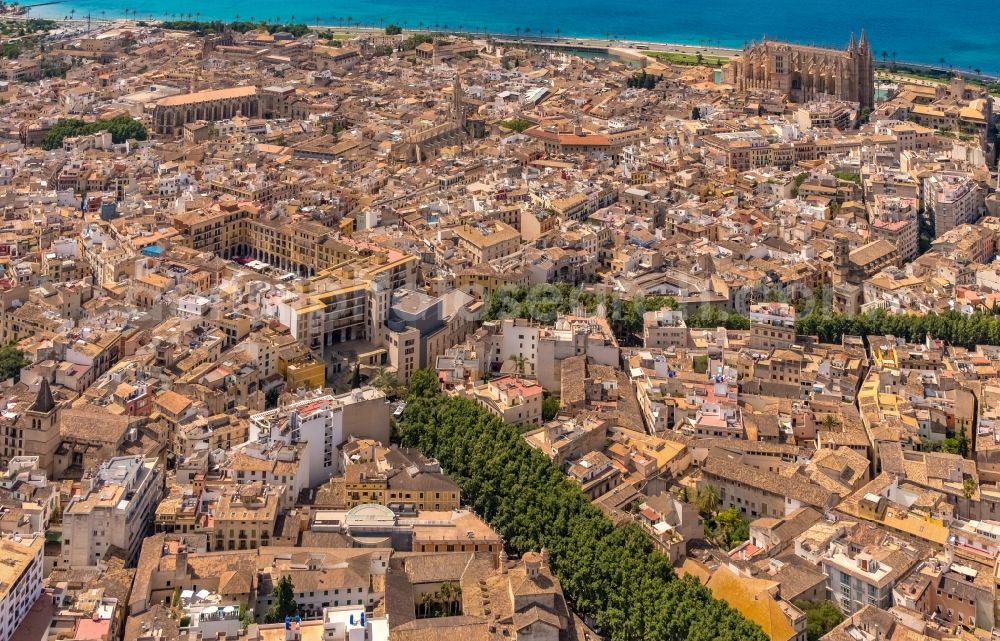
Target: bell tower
point(40, 427)
point(458, 105)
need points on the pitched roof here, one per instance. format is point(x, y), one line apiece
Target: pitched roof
point(753, 599)
point(44, 403)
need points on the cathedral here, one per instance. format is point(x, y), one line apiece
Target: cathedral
point(806, 73)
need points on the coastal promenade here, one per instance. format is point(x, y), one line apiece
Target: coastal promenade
point(626, 48)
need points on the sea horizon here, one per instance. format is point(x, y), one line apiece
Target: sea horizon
point(964, 38)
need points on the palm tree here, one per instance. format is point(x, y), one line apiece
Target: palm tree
point(829, 422)
point(385, 381)
point(519, 362)
point(708, 500)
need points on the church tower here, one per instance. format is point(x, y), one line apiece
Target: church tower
point(866, 73)
point(458, 105)
point(40, 427)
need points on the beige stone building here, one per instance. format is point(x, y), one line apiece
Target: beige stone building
point(806, 73)
point(488, 241)
point(173, 112)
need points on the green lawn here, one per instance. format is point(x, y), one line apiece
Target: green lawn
point(686, 58)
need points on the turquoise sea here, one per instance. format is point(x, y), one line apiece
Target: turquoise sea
point(965, 35)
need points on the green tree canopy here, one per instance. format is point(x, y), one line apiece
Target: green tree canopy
point(821, 617)
point(550, 407)
point(613, 574)
point(12, 361)
point(284, 601)
point(952, 327)
point(516, 124)
point(122, 128)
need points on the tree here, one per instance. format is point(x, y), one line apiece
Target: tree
point(393, 30)
point(969, 487)
point(12, 361)
point(821, 617)
point(708, 500)
point(516, 124)
point(271, 398)
point(730, 528)
point(424, 384)
point(284, 601)
point(829, 422)
point(519, 362)
point(695, 113)
point(962, 443)
point(550, 407)
point(356, 376)
point(11, 50)
point(613, 575)
point(246, 616)
point(122, 128)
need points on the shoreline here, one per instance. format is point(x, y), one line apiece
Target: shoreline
point(567, 41)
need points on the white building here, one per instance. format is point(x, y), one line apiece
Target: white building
point(952, 200)
point(113, 508)
point(339, 624)
point(20, 579)
point(323, 423)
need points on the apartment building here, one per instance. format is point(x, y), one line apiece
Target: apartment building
point(401, 479)
point(488, 241)
point(952, 200)
point(112, 507)
point(772, 326)
point(664, 328)
point(418, 328)
point(323, 423)
point(244, 518)
point(20, 579)
point(574, 336)
point(860, 573)
point(894, 218)
point(514, 400)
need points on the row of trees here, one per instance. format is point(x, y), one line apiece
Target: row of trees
point(122, 128)
point(202, 27)
point(952, 327)
point(612, 574)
